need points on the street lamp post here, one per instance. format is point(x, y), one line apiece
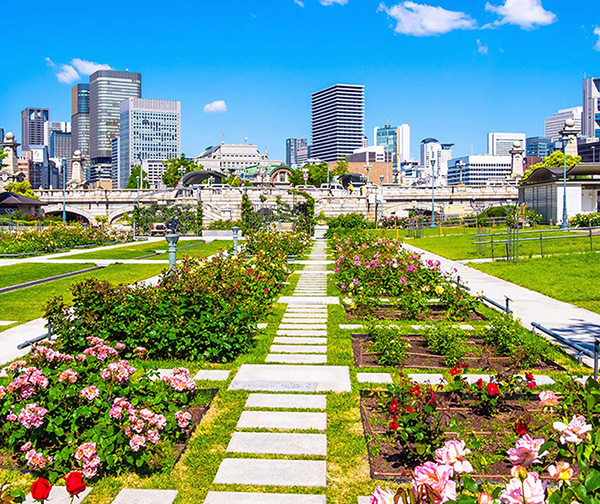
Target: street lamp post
point(432, 225)
point(565, 218)
point(64, 168)
point(460, 165)
point(594, 152)
point(368, 168)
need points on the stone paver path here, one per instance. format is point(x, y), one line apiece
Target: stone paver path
point(285, 415)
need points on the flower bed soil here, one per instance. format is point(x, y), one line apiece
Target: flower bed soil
point(436, 313)
point(421, 357)
point(389, 461)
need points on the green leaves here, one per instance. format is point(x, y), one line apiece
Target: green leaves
point(592, 480)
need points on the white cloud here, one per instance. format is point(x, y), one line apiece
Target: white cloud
point(482, 48)
point(423, 20)
point(67, 74)
point(299, 3)
point(597, 33)
point(49, 62)
point(528, 14)
point(334, 2)
point(215, 107)
point(88, 67)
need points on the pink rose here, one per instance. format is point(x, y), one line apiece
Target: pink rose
point(534, 491)
point(548, 398)
point(576, 432)
point(454, 454)
point(561, 471)
point(527, 451)
point(381, 496)
point(437, 477)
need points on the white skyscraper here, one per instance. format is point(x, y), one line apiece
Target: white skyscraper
point(432, 149)
point(591, 111)
point(500, 144)
point(150, 129)
point(555, 123)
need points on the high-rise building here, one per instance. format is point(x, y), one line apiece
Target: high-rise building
point(500, 144)
point(433, 150)
point(108, 88)
point(60, 145)
point(540, 147)
point(555, 123)
point(33, 127)
point(302, 155)
point(338, 121)
point(114, 162)
point(292, 145)
point(395, 140)
point(52, 126)
point(80, 119)
point(590, 125)
point(483, 169)
point(150, 129)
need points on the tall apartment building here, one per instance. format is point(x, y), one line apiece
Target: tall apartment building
point(33, 127)
point(395, 140)
point(590, 125)
point(500, 144)
point(555, 123)
point(433, 150)
point(292, 145)
point(108, 88)
point(80, 119)
point(150, 130)
point(338, 121)
point(540, 147)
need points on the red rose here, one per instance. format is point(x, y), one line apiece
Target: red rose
point(464, 365)
point(521, 428)
point(529, 376)
point(394, 425)
point(411, 409)
point(455, 370)
point(416, 391)
point(40, 490)
point(531, 384)
point(480, 384)
point(492, 389)
point(75, 483)
point(393, 407)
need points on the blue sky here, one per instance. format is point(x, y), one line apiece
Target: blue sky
point(452, 69)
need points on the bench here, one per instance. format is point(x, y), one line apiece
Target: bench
point(157, 228)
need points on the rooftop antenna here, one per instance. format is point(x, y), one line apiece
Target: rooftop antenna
point(246, 140)
point(266, 151)
point(223, 141)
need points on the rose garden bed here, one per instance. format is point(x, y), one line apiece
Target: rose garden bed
point(483, 357)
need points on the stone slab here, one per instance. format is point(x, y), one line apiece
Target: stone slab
point(262, 325)
point(59, 495)
point(374, 377)
point(466, 327)
point(474, 378)
point(303, 327)
point(283, 378)
point(306, 309)
point(289, 473)
point(262, 498)
point(298, 300)
point(296, 349)
point(299, 332)
point(278, 443)
point(298, 340)
point(305, 316)
point(541, 379)
point(307, 320)
point(139, 496)
point(212, 374)
point(7, 322)
point(296, 359)
point(282, 420)
point(288, 401)
point(364, 500)
point(431, 378)
point(351, 326)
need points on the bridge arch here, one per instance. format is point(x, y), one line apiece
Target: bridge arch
point(115, 214)
point(57, 209)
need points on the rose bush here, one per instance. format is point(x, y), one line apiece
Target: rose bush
point(93, 412)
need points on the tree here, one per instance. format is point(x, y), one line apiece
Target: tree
point(554, 160)
point(22, 188)
point(132, 183)
point(317, 175)
point(341, 166)
point(177, 168)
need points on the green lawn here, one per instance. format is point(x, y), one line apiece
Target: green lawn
point(456, 243)
point(135, 251)
point(574, 278)
point(27, 272)
point(26, 304)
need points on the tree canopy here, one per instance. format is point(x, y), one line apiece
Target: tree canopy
point(317, 175)
point(177, 168)
point(22, 188)
point(132, 182)
point(554, 160)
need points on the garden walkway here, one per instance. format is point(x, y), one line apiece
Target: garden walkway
point(576, 324)
point(285, 417)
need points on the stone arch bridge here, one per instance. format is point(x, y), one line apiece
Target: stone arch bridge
point(87, 204)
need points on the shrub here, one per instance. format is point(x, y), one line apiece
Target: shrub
point(93, 411)
point(190, 216)
point(222, 224)
point(585, 220)
point(448, 341)
point(389, 344)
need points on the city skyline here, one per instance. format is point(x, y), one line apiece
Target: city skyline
point(454, 75)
